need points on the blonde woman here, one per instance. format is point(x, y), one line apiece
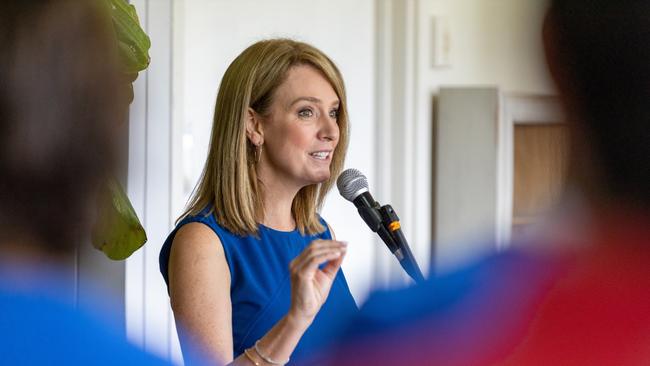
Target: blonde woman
point(253, 271)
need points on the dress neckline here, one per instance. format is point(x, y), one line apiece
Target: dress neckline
point(277, 231)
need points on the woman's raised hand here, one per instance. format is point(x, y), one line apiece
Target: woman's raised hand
point(310, 284)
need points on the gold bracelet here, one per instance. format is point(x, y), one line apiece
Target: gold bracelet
point(267, 359)
point(256, 363)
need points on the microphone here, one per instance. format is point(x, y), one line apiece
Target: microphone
point(383, 220)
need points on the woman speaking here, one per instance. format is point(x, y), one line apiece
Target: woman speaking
point(253, 271)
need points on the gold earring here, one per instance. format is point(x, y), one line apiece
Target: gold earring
point(258, 153)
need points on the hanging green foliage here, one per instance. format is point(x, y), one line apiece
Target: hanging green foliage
point(133, 42)
point(118, 232)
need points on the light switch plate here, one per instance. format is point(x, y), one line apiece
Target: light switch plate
point(440, 42)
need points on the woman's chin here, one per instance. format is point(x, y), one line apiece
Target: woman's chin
point(318, 178)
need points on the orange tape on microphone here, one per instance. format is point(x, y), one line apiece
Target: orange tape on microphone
point(394, 226)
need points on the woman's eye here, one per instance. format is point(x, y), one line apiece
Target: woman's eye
point(334, 113)
point(305, 113)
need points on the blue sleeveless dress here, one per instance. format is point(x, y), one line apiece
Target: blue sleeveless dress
point(260, 287)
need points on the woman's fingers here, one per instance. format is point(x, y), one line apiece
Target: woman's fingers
point(310, 262)
point(316, 248)
point(334, 265)
point(309, 287)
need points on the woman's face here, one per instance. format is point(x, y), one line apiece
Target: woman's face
point(301, 131)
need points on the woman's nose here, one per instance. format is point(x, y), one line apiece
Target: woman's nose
point(329, 130)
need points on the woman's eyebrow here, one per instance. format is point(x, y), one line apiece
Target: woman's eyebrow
point(310, 99)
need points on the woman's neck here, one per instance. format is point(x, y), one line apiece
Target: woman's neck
point(278, 200)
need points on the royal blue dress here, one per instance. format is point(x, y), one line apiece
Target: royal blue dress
point(260, 288)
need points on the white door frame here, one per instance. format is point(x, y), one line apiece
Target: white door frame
point(149, 320)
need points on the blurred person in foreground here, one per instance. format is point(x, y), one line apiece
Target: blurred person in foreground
point(60, 103)
point(579, 294)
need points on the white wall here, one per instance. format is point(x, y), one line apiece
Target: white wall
point(492, 43)
point(495, 42)
point(216, 31)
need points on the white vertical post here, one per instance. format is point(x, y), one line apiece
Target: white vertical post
point(403, 148)
point(149, 318)
point(158, 174)
point(134, 287)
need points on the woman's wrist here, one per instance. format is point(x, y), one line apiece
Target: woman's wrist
point(297, 322)
point(280, 341)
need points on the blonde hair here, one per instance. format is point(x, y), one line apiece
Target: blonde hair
point(229, 183)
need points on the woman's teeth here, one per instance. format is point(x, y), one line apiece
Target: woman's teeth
point(320, 155)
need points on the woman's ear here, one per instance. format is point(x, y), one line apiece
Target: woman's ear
point(254, 128)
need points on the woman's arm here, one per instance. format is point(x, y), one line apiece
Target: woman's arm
point(200, 294)
point(199, 286)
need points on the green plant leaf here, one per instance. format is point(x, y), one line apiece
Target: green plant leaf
point(133, 42)
point(118, 232)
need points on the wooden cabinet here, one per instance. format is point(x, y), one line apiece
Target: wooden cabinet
point(540, 159)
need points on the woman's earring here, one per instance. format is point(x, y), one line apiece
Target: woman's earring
point(258, 153)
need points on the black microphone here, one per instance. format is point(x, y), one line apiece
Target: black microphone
point(383, 220)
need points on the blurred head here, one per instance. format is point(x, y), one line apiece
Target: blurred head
point(599, 54)
point(261, 93)
point(59, 103)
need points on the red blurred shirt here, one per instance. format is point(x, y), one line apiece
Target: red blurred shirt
point(587, 303)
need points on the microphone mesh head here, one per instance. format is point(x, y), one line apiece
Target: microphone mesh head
point(351, 183)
